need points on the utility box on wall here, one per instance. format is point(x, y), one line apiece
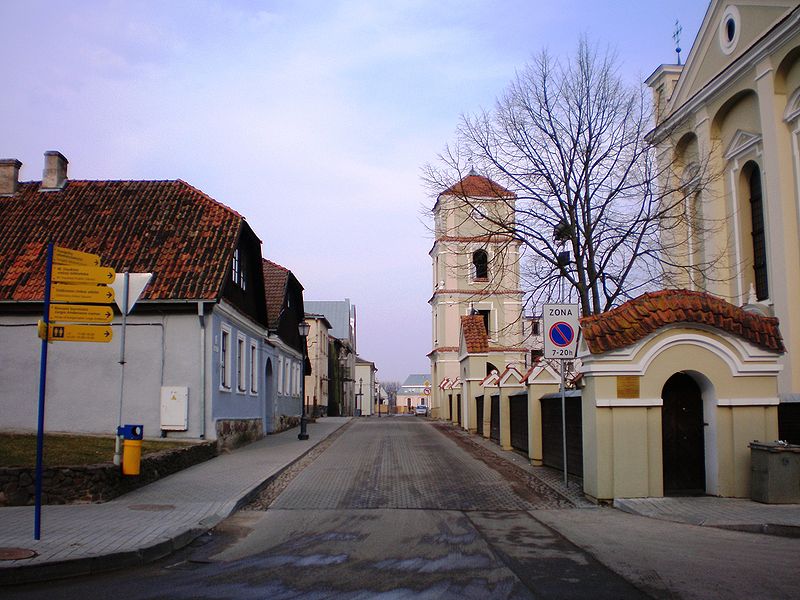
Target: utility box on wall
point(174, 408)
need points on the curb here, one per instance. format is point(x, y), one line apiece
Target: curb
point(91, 565)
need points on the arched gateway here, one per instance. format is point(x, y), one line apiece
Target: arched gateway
point(677, 383)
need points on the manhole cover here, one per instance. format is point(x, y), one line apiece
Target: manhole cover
point(152, 507)
point(16, 553)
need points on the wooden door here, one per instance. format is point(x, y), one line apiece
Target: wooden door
point(494, 420)
point(684, 460)
point(518, 406)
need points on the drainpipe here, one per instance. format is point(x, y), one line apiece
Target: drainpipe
point(202, 318)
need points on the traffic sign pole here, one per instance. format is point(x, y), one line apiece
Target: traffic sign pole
point(37, 506)
point(124, 307)
point(561, 325)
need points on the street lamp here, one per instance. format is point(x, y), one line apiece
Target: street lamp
point(302, 329)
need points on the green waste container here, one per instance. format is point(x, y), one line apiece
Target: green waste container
point(775, 477)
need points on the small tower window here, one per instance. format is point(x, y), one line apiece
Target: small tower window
point(480, 265)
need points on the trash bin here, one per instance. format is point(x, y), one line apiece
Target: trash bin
point(131, 448)
point(775, 468)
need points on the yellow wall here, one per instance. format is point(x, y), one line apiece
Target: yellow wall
point(623, 442)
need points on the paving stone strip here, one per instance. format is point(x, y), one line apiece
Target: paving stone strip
point(525, 484)
point(274, 488)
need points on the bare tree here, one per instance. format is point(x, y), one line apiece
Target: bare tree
point(570, 141)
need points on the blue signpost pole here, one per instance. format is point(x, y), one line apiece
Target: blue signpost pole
point(37, 513)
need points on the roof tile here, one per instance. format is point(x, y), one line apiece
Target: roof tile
point(611, 330)
point(139, 226)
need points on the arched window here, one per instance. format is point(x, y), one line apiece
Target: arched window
point(758, 233)
point(480, 264)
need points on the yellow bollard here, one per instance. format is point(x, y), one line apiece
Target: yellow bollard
point(131, 457)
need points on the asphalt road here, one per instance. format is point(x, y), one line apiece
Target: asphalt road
point(392, 508)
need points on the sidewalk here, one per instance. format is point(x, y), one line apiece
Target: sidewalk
point(154, 520)
point(738, 514)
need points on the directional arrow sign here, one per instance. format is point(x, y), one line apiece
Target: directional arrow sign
point(81, 313)
point(82, 274)
point(98, 294)
point(65, 256)
point(79, 333)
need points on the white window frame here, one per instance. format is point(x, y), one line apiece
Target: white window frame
point(253, 367)
point(287, 388)
point(280, 375)
point(225, 358)
point(241, 363)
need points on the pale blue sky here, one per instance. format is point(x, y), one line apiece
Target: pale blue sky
point(312, 114)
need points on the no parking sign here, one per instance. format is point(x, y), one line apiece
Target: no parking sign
point(561, 330)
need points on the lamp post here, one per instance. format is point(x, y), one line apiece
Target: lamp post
point(302, 329)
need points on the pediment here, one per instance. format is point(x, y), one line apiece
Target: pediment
point(511, 377)
point(542, 374)
point(741, 142)
point(719, 44)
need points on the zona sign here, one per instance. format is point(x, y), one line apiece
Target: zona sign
point(561, 330)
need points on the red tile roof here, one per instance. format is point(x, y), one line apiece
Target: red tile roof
point(276, 278)
point(474, 332)
point(477, 186)
point(637, 318)
point(181, 235)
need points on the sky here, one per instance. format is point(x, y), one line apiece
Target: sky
point(312, 119)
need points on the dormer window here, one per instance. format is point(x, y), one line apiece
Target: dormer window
point(238, 273)
point(480, 265)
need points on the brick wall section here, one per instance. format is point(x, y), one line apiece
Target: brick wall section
point(96, 483)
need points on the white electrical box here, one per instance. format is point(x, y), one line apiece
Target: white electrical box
point(174, 408)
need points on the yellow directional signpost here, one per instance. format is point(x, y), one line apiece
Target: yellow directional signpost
point(93, 293)
point(70, 276)
point(81, 313)
point(79, 333)
point(65, 256)
point(82, 274)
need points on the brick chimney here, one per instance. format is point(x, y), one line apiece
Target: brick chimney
point(9, 176)
point(55, 171)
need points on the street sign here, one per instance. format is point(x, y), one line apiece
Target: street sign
point(81, 313)
point(65, 256)
point(82, 274)
point(427, 391)
point(561, 328)
point(98, 294)
point(77, 333)
point(136, 284)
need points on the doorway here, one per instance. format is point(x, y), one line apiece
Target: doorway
point(682, 435)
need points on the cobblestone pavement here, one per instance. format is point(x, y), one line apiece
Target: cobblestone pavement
point(401, 463)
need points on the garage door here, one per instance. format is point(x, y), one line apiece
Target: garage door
point(518, 406)
point(494, 421)
point(552, 448)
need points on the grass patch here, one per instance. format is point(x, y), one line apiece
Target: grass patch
point(19, 449)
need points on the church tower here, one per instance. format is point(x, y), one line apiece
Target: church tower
point(475, 264)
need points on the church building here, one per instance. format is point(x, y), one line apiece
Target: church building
point(475, 272)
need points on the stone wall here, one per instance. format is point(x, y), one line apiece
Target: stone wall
point(232, 433)
point(96, 483)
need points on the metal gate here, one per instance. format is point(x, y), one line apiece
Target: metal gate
point(552, 449)
point(479, 413)
point(518, 407)
point(494, 421)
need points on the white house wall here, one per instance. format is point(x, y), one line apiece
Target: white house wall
point(83, 379)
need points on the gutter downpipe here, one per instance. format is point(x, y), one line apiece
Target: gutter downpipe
point(201, 317)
